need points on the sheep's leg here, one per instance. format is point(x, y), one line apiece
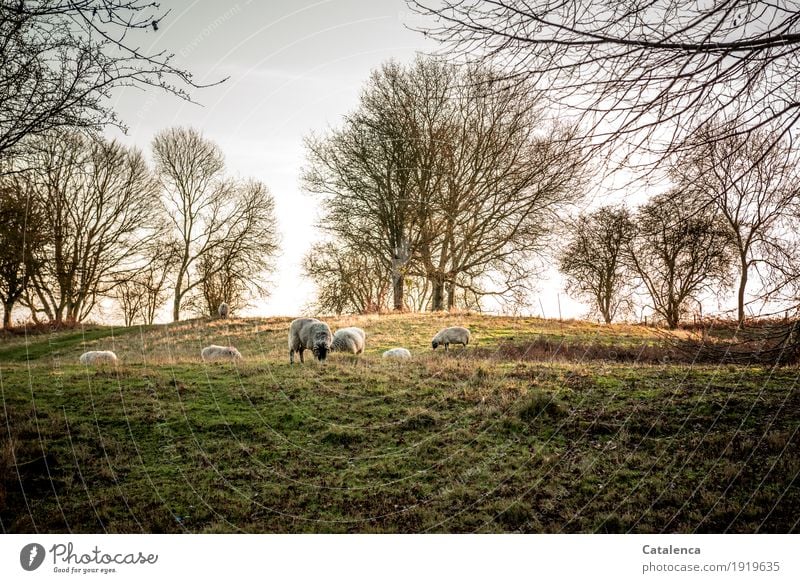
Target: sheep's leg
point(291, 356)
point(301, 355)
point(445, 346)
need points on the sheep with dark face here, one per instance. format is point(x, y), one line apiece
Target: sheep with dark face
point(99, 357)
point(223, 310)
point(214, 352)
point(350, 340)
point(452, 335)
point(309, 334)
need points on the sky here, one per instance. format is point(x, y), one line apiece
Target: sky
point(292, 68)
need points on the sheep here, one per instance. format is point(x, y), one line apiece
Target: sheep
point(311, 334)
point(214, 352)
point(452, 335)
point(398, 353)
point(223, 310)
point(99, 357)
point(350, 340)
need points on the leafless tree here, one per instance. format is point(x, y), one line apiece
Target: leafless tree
point(234, 272)
point(225, 223)
point(639, 73)
point(365, 172)
point(347, 280)
point(752, 183)
point(442, 176)
point(141, 294)
point(505, 178)
point(679, 251)
point(61, 60)
point(102, 207)
point(593, 260)
point(22, 236)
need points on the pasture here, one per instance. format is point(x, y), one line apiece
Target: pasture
point(538, 426)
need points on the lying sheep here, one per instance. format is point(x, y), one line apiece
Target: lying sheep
point(399, 353)
point(452, 335)
point(99, 357)
point(309, 334)
point(214, 352)
point(223, 310)
point(350, 340)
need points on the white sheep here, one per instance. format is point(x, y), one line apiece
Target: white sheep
point(223, 310)
point(99, 357)
point(398, 353)
point(214, 352)
point(452, 335)
point(309, 334)
point(352, 340)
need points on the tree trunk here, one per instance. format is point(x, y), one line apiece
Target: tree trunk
point(398, 291)
point(437, 299)
point(176, 305)
point(740, 295)
point(399, 261)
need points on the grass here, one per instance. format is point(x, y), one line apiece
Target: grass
point(540, 426)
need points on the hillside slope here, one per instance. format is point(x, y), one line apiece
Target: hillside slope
point(539, 426)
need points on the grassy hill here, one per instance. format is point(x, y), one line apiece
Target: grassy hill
point(539, 426)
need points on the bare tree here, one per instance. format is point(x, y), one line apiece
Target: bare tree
point(679, 251)
point(141, 294)
point(593, 260)
point(21, 241)
point(751, 181)
point(505, 178)
point(61, 59)
point(641, 73)
point(441, 176)
point(224, 223)
point(102, 208)
point(234, 271)
point(365, 172)
point(347, 280)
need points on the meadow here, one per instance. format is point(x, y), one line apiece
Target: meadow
point(538, 426)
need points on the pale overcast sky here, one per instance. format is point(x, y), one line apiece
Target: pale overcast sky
point(294, 67)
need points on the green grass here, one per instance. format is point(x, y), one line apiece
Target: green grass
point(531, 429)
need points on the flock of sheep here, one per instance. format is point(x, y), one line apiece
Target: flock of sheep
point(306, 334)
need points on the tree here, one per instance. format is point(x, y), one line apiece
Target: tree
point(437, 176)
point(593, 260)
point(102, 208)
point(505, 176)
point(347, 280)
point(645, 73)
point(751, 181)
point(21, 241)
point(218, 222)
point(61, 60)
point(141, 295)
point(679, 251)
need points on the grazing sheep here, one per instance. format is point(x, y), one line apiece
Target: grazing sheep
point(398, 353)
point(214, 352)
point(350, 340)
point(99, 357)
point(309, 334)
point(452, 335)
point(223, 310)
